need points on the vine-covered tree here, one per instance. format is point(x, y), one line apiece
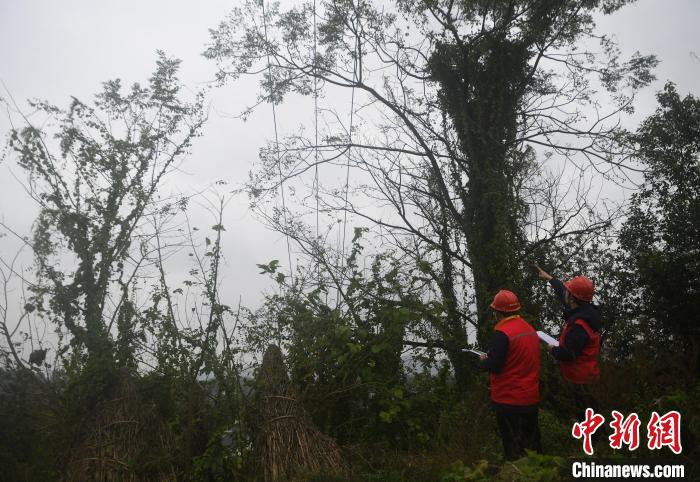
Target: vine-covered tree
point(463, 116)
point(95, 179)
point(106, 230)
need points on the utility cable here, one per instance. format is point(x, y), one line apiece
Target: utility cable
point(277, 149)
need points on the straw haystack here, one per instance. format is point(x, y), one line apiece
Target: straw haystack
point(122, 442)
point(287, 442)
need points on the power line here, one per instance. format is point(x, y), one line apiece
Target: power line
point(347, 172)
point(348, 154)
point(318, 272)
point(277, 149)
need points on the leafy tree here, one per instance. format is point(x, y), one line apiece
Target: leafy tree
point(660, 236)
point(348, 365)
point(102, 240)
point(95, 179)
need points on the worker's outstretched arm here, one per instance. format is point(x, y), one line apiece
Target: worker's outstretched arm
point(558, 288)
point(556, 284)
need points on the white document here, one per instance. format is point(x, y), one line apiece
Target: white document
point(547, 339)
point(476, 352)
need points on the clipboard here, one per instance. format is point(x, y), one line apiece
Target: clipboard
point(547, 338)
point(475, 352)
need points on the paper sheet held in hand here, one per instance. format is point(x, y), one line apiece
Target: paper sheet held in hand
point(476, 352)
point(547, 339)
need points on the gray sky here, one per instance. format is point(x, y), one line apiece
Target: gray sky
point(52, 50)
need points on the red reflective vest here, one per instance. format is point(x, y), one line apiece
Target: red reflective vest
point(518, 383)
point(584, 369)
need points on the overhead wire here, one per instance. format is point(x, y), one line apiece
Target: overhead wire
point(347, 171)
point(348, 153)
point(277, 149)
point(316, 186)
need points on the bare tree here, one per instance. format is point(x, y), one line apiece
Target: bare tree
point(461, 114)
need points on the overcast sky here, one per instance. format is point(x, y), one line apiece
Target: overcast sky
point(56, 49)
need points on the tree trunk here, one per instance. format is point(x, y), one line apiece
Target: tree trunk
point(481, 89)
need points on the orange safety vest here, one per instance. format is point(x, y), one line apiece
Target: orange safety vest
point(518, 383)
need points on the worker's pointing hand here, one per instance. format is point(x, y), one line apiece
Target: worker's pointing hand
point(543, 274)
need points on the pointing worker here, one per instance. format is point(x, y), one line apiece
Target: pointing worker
point(513, 360)
point(579, 341)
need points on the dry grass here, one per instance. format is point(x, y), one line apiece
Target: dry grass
point(118, 441)
point(287, 442)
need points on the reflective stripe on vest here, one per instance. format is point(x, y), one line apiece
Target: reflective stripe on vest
point(584, 369)
point(518, 383)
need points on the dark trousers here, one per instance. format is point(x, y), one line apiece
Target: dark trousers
point(519, 431)
point(583, 399)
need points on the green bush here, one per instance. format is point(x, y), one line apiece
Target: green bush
point(532, 468)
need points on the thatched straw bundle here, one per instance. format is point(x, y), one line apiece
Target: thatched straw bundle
point(287, 442)
point(122, 442)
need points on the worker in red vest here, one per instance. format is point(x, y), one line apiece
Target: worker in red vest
point(513, 360)
point(579, 341)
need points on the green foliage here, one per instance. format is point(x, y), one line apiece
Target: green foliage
point(534, 467)
point(95, 178)
point(271, 267)
point(30, 423)
point(660, 236)
point(555, 432)
point(347, 360)
point(224, 457)
point(100, 235)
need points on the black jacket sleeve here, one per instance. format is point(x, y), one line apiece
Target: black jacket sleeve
point(496, 356)
point(558, 288)
point(574, 342)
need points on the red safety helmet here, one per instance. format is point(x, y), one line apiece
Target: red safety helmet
point(506, 302)
point(581, 288)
